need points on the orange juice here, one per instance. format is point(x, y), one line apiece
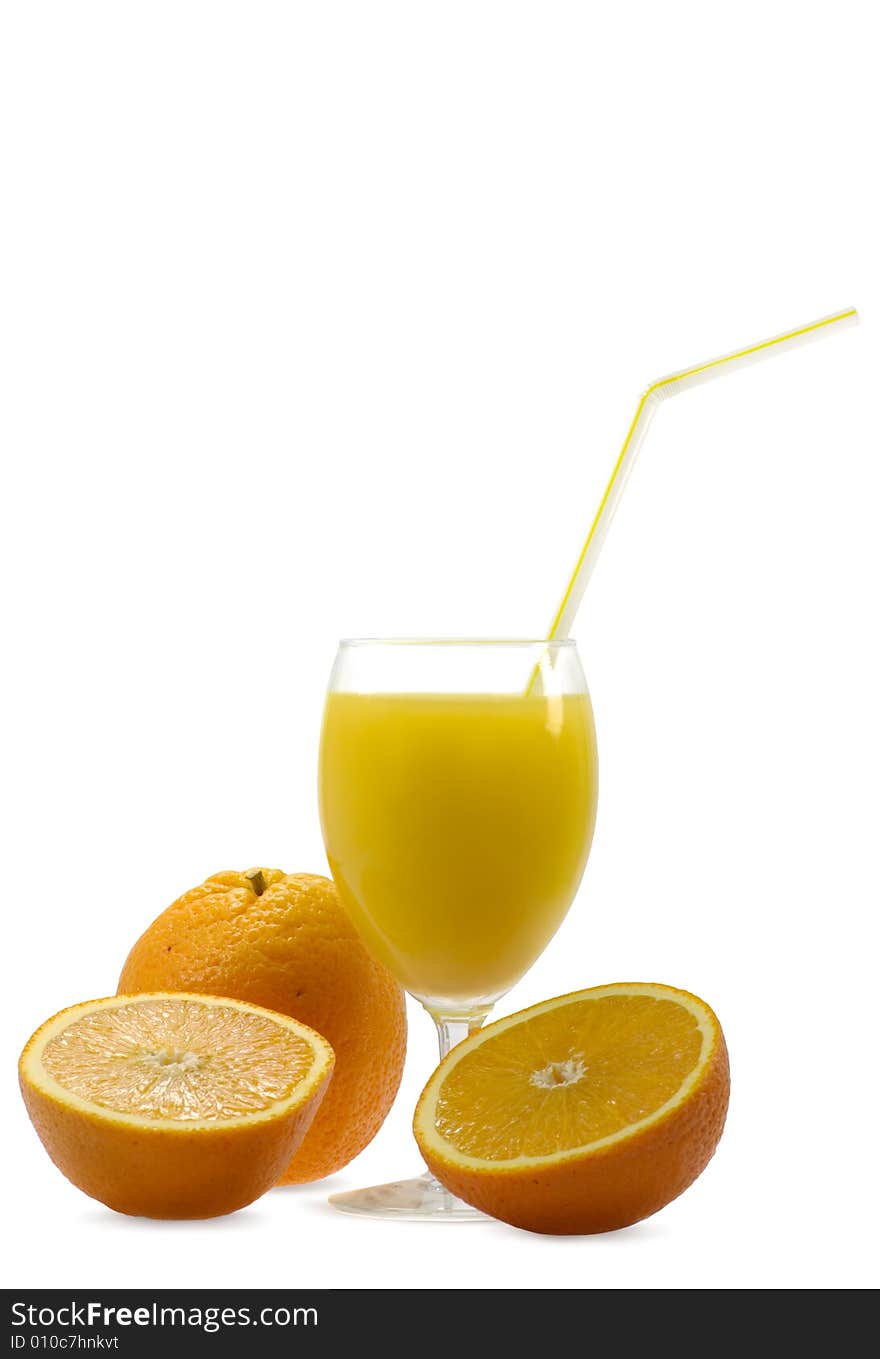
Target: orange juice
point(457, 829)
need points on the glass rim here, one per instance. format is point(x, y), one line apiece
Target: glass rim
point(554, 644)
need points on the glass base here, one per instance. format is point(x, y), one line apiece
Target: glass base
point(414, 1200)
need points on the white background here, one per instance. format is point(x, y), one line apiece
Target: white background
point(328, 319)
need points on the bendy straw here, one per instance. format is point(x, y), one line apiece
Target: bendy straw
point(657, 392)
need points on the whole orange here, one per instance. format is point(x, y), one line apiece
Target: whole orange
point(284, 941)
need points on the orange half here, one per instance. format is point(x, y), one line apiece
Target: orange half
point(173, 1105)
point(581, 1114)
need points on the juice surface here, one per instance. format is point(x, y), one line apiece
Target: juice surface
point(457, 829)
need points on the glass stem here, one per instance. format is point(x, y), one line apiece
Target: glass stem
point(451, 1029)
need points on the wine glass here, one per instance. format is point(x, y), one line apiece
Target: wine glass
point(457, 791)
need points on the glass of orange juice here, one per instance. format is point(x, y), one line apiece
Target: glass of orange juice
point(457, 789)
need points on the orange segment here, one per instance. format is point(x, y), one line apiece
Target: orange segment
point(173, 1105)
point(583, 1113)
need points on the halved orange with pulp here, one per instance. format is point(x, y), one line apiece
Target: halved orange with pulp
point(581, 1114)
point(173, 1105)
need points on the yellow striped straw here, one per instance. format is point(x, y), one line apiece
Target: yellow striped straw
point(657, 392)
